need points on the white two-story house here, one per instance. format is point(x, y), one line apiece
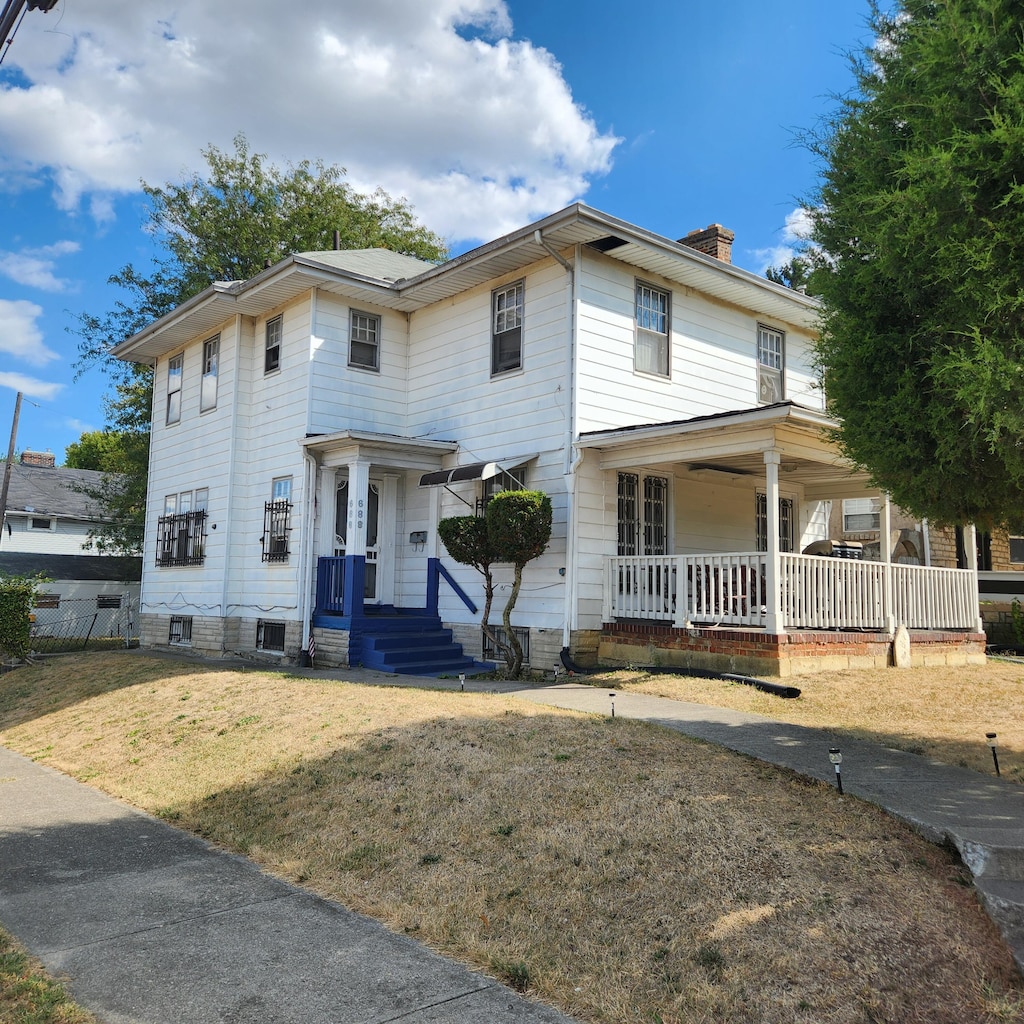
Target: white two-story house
point(312, 425)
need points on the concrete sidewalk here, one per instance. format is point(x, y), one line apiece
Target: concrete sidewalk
point(152, 926)
point(983, 816)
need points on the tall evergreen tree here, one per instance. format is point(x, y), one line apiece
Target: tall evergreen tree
point(920, 215)
point(225, 224)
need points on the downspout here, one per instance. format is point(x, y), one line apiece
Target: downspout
point(306, 562)
point(234, 463)
point(571, 460)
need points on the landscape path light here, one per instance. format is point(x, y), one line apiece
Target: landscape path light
point(991, 737)
point(836, 757)
point(612, 695)
point(462, 680)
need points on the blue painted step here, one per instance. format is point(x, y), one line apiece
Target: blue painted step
point(408, 642)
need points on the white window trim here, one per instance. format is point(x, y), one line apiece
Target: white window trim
point(640, 330)
point(372, 318)
point(770, 375)
point(278, 323)
point(211, 371)
point(171, 392)
point(519, 288)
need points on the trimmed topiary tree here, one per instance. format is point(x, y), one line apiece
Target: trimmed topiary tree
point(515, 528)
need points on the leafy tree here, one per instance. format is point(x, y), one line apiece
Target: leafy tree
point(795, 274)
point(227, 223)
point(16, 597)
point(516, 528)
point(920, 215)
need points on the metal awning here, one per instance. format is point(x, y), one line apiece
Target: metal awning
point(474, 471)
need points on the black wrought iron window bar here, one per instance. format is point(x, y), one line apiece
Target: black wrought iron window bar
point(277, 526)
point(181, 538)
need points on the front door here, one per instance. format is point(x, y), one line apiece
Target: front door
point(374, 568)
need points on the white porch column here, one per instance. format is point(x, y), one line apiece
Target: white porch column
point(387, 534)
point(358, 488)
point(971, 544)
point(885, 553)
point(774, 621)
point(327, 495)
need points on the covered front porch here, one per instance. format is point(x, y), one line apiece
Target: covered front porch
point(674, 594)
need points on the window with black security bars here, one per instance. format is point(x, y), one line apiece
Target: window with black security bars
point(181, 538)
point(277, 526)
point(269, 635)
point(491, 650)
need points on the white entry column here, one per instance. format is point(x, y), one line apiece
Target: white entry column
point(358, 489)
point(774, 621)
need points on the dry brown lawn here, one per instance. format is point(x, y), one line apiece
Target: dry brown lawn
point(942, 712)
point(619, 871)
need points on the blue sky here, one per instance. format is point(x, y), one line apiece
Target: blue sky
point(485, 114)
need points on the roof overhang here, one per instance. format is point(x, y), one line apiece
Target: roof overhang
point(606, 236)
point(382, 450)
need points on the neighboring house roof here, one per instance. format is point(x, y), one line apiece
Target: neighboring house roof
point(119, 568)
point(368, 276)
point(41, 490)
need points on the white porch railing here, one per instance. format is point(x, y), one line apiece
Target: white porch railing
point(816, 592)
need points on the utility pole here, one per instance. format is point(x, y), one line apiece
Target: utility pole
point(8, 466)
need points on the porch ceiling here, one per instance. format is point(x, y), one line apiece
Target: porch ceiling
point(733, 446)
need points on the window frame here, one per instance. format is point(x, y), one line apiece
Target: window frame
point(175, 373)
point(184, 637)
point(277, 521)
point(858, 511)
point(279, 627)
point(273, 337)
point(33, 521)
point(372, 320)
point(770, 370)
point(643, 312)
point(499, 314)
point(211, 371)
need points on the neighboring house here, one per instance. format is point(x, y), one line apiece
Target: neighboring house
point(311, 426)
point(45, 533)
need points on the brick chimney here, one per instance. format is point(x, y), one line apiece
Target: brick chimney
point(714, 240)
point(45, 460)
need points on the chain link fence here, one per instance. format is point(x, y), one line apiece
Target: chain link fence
point(76, 623)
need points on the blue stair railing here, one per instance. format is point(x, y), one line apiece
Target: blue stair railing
point(435, 572)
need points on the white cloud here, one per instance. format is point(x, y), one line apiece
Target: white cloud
point(35, 267)
point(30, 386)
point(795, 231)
point(434, 101)
point(20, 335)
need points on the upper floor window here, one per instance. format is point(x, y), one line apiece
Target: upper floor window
point(513, 479)
point(364, 341)
point(771, 347)
point(208, 391)
point(652, 320)
point(277, 521)
point(174, 365)
point(860, 514)
point(272, 355)
point(40, 523)
point(507, 328)
point(181, 538)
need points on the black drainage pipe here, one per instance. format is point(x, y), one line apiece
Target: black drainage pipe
point(778, 689)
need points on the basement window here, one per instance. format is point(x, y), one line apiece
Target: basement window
point(270, 636)
point(180, 631)
point(492, 652)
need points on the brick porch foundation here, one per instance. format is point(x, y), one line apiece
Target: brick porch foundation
point(752, 652)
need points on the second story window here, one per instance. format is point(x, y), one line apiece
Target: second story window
point(211, 357)
point(364, 341)
point(174, 365)
point(272, 356)
point(507, 328)
point(770, 361)
point(277, 521)
point(651, 349)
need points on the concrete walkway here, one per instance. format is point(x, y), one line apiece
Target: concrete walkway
point(152, 925)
